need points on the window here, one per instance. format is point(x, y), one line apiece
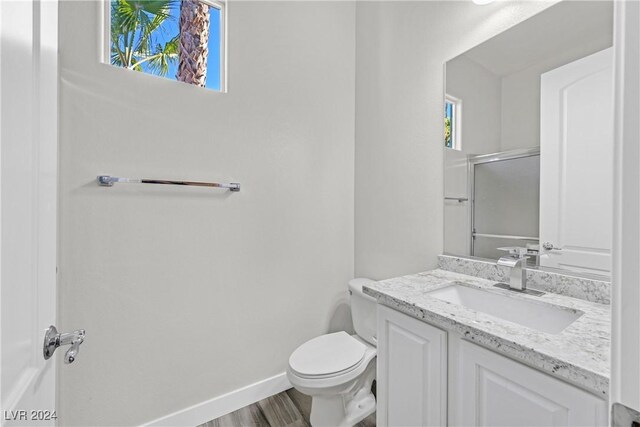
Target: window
point(452, 122)
point(182, 40)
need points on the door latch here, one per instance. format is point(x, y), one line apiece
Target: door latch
point(53, 340)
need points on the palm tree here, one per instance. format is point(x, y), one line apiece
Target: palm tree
point(194, 40)
point(136, 30)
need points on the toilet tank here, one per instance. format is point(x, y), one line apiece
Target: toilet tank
point(363, 311)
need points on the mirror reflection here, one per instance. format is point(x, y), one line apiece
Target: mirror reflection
point(529, 141)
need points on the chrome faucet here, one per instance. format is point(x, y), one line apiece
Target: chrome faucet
point(516, 260)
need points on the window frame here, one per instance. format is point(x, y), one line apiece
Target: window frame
point(221, 5)
point(456, 126)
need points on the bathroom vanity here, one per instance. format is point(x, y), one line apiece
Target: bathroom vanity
point(453, 349)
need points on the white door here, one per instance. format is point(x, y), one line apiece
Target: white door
point(489, 389)
point(411, 371)
point(28, 162)
point(576, 165)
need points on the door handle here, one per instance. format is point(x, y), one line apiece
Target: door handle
point(53, 340)
point(548, 246)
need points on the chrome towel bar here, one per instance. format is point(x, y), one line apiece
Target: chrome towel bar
point(506, 236)
point(108, 181)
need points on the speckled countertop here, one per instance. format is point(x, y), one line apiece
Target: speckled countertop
point(578, 354)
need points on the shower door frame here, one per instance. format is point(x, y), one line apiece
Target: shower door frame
point(472, 161)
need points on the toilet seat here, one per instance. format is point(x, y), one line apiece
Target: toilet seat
point(327, 356)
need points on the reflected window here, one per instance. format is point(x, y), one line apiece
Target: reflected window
point(452, 122)
point(181, 40)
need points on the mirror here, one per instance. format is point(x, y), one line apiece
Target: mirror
point(528, 141)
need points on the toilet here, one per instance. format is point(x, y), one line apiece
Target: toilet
point(338, 369)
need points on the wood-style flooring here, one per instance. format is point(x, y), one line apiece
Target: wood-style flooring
point(287, 409)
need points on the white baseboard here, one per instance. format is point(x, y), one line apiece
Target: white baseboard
point(222, 405)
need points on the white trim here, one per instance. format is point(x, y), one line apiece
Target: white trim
point(104, 39)
point(222, 6)
point(625, 301)
point(224, 47)
point(222, 405)
point(214, 3)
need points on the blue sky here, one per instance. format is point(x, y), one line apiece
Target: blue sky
point(170, 28)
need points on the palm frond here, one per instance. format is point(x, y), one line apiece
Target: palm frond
point(137, 33)
point(165, 56)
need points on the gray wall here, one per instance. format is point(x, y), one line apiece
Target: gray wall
point(401, 50)
point(186, 293)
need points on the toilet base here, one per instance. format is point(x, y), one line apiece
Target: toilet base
point(348, 408)
point(330, 410)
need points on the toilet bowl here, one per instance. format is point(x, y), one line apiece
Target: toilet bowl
point(337, 370)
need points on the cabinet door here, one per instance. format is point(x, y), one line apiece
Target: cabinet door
point(487, 389)
point(412, 371)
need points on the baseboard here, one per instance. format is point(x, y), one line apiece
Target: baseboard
point(222, 405)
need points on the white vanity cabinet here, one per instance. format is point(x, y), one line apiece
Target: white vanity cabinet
point(488, 389)
point(428, 377)
point(412, 371)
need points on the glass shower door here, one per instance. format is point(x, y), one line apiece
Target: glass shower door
point(506, 203)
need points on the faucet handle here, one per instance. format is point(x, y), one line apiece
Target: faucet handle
point(515, 251)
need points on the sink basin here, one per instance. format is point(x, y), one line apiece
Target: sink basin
point(541, 316)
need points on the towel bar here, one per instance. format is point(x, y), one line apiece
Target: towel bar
point(108, 181)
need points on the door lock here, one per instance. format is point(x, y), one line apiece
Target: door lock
point(53, 340)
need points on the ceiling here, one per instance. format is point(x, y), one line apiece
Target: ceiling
point(562, 28)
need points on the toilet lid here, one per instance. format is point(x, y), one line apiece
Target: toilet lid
point(327, 354)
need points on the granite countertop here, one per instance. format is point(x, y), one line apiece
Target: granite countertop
point(578, 354)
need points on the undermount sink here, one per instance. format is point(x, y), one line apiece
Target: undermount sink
point(541, 316)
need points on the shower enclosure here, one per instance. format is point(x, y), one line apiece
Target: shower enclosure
point(504, 201)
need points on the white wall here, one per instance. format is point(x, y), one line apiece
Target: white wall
point(401, 50)
point(480, 92)
point(187, 293)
